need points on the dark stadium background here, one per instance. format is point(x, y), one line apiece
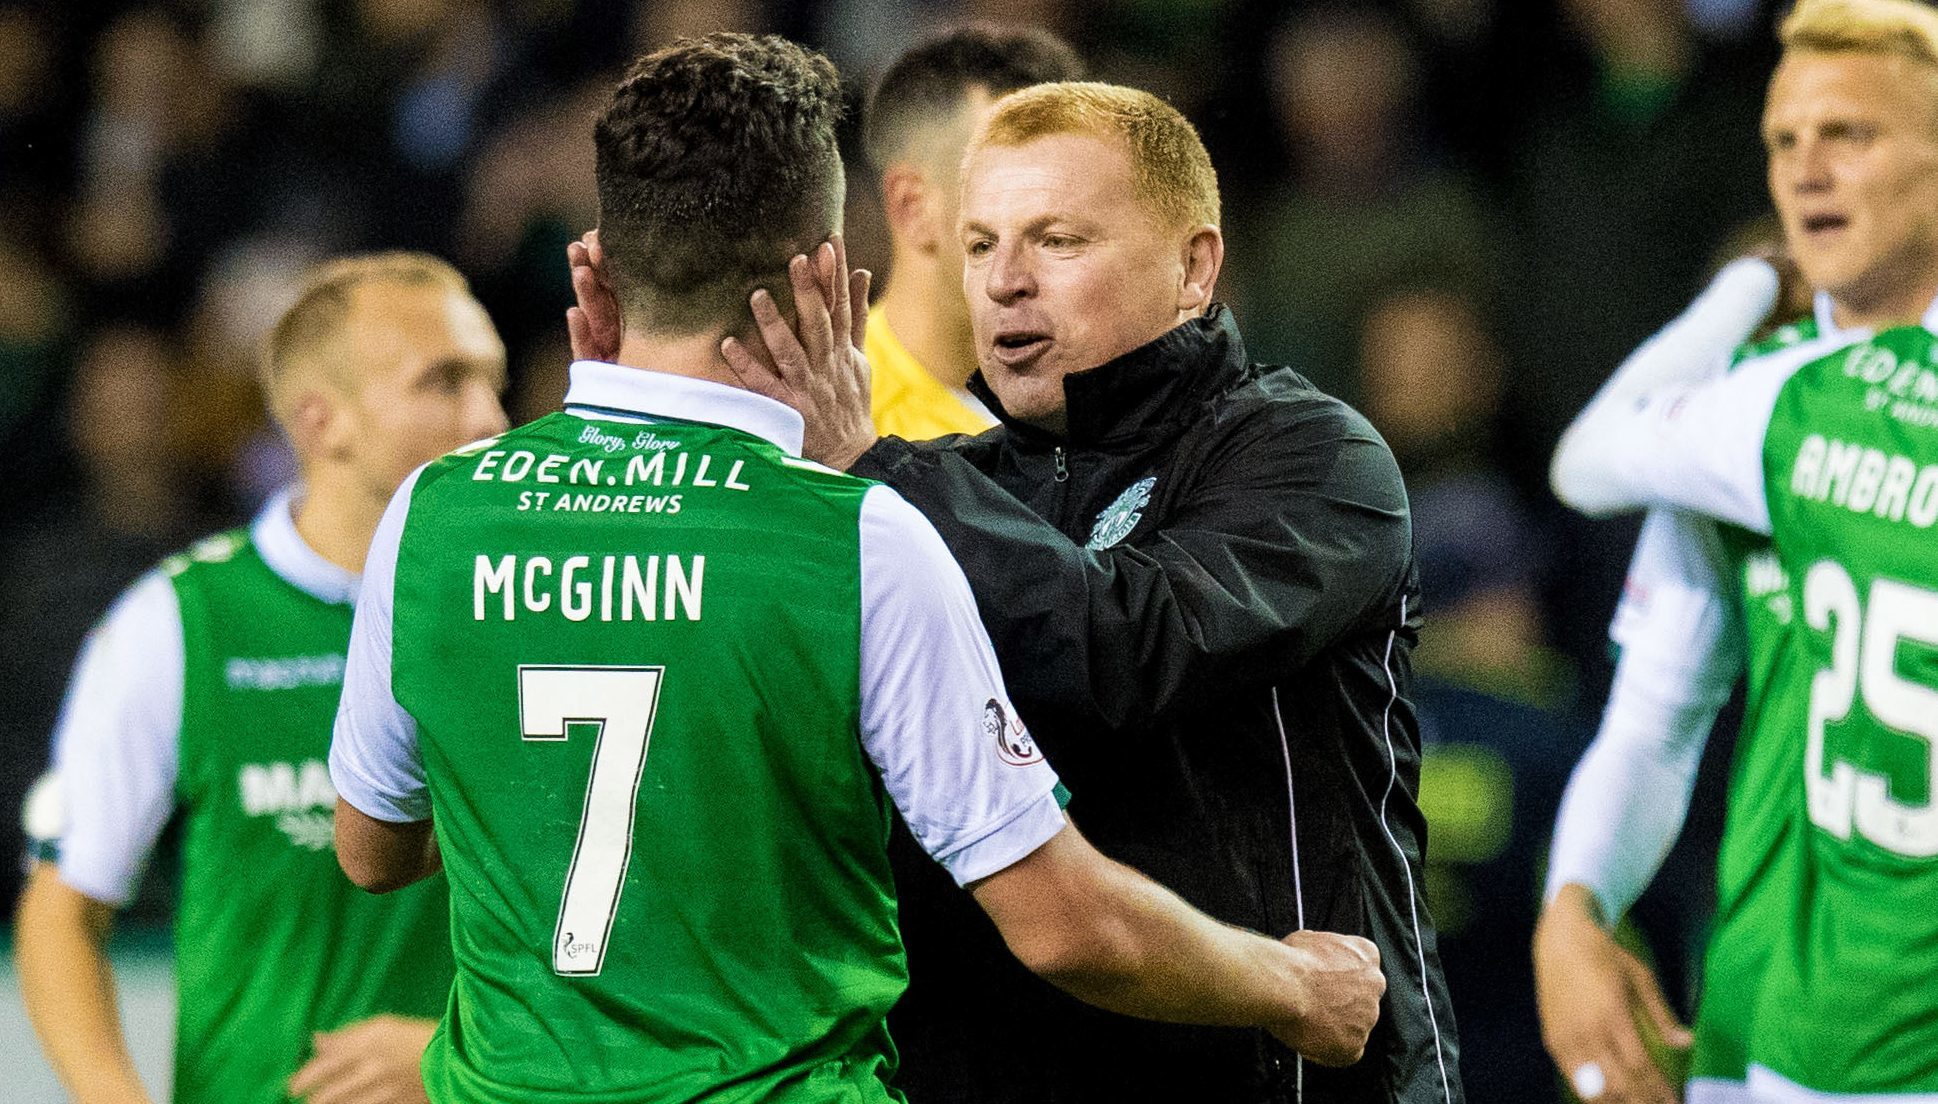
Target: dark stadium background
point(1459, 214)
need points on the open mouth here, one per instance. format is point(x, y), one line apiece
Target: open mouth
point(1020, 347)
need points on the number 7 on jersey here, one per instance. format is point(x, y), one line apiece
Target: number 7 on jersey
point(621, 701)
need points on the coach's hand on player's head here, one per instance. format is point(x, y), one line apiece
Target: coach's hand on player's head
point(815, 365)
point(1591, 992)
point(1345, 982)
point(593, 324)
point(373, 1061)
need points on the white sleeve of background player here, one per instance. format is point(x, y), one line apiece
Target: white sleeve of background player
point(1661, 432)
point(1682, 650)
point(374, 760)
point(935, 718)
point(117, 745)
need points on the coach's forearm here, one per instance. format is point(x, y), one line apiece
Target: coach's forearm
point(68, 987)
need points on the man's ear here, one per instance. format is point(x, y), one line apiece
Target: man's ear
point(908, 203)
point(1204, 256)
point(319, 427)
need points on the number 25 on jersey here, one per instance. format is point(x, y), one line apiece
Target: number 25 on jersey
point(1864, 652)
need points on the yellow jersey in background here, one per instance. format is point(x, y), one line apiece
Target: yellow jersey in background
point(909, 402)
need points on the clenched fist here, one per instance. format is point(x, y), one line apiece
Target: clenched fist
point(1344, 987)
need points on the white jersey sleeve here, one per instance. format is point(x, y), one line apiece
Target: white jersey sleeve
point(1680, 633)
point(935, 718)
point(374, 759)
point(117, 745)
point(1661, 432)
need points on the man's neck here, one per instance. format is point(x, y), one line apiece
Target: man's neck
point(1882, 311)
point(696, 356)
point(336, 519)
point(939, 340)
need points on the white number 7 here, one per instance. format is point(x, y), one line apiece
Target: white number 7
point(621, 701)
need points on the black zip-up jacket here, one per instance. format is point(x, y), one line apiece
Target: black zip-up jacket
point(1203, 597)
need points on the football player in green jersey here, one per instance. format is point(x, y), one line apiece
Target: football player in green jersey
point(209, 691)
point(1825, 443)
point(643, 682)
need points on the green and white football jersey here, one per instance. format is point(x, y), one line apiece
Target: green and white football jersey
point(655, 679)
point(209, 691)
point(1833, 453)
point(1755, 884)
point(1701, 605)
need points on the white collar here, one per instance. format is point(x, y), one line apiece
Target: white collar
point(1827, 321)
point(291, 557)
point(639, 394)
point(1826, 314)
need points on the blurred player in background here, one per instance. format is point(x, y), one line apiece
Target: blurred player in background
point(1818, 453)
point(919, 117)
point(654, 680)
point(209, 692)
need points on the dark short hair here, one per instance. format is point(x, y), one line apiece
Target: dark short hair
point(716, 163)
point(935, 75)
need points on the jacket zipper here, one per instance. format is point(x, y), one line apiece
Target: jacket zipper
point(1062, 469)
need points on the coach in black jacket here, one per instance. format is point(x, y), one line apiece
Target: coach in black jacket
point(1203, 595)
point(1198, 576)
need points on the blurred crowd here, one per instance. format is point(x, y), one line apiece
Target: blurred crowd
point(1457, 214)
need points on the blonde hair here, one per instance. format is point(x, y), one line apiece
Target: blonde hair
point(1168, 160)
point(1903, 27)
point(302, 337)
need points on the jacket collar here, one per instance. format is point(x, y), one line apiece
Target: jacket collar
point(616, 392)
point(1148, 391)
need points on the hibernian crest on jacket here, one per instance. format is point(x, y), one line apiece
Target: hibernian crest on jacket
point(1120, 517)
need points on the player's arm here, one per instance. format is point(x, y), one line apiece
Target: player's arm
point(1661, 432)
point(383, 832)
point(979, 798)
point(1114, 938)
point(116, 754)
point(68, 986)
point(382, 855)
point(384, 839)
point(1681, 638)
point(1681, 641)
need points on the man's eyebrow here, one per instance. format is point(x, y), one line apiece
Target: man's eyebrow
point(461, 364)
point(1037, 225)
